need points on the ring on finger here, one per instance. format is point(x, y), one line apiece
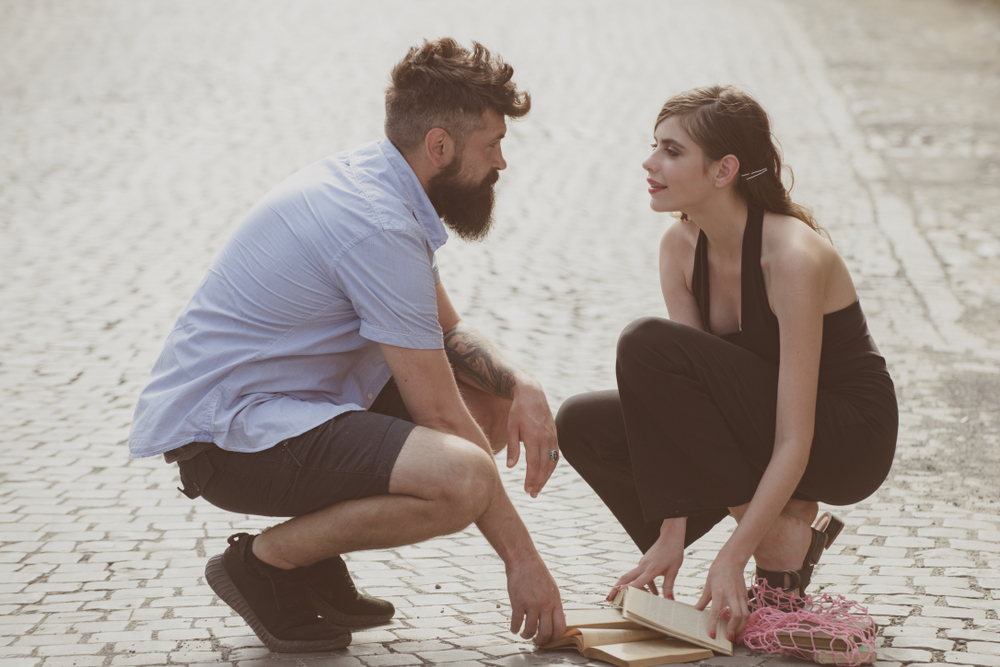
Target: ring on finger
point(554, 455)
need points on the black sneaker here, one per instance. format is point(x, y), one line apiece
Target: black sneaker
point(338, 600)
point(274, 603)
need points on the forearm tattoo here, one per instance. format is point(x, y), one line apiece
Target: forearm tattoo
point(472, 356)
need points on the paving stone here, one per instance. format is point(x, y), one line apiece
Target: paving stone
point(972, 659)
point(74, 661)
point(923, 643)
point(140, 659)
point(905, 655)
point(70, 649)
point(391, 660)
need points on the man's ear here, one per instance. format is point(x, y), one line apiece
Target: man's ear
point(728, 169)
point(439, 147)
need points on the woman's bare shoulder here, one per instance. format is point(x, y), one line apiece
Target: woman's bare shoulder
point(794, 253)
point(681, 237)
point(788, 239)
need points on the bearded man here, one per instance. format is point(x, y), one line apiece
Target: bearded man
point(320, 371)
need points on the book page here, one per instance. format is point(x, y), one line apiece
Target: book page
point(674, 618)
point(651, 652)
point(601, 636)
point(600, 617)
point(583, 638)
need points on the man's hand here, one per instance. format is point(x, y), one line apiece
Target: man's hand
point(535, 602)
point(531, 422)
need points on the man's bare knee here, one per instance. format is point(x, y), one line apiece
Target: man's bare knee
point(477, 485)
point(458, 477)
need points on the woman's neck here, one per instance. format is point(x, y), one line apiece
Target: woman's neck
point(723, 221)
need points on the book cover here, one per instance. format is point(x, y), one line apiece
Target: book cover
point(673, 618)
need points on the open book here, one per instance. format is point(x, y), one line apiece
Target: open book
point(603, 634)
point(673, 618)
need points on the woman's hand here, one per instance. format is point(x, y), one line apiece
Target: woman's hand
point(726, 589)
point(664, 559)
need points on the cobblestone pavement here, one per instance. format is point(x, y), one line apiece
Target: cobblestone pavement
point(135, 135)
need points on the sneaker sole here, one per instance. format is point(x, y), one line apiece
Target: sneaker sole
point(343, 620)
point(218, 579)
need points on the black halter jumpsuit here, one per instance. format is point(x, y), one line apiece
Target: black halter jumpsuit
point(691, 427)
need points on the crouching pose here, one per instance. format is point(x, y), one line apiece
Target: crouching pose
point(313, 373)
point(761, 395)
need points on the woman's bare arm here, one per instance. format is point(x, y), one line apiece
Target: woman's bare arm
point(676, 264)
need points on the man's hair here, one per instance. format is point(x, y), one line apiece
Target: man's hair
point(443, 84)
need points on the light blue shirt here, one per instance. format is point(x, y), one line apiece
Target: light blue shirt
point(282, 333)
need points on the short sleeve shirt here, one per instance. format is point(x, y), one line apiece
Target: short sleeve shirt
point(282, 333)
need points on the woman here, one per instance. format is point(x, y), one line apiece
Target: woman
point(763, 393)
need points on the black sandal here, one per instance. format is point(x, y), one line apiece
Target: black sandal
point(824, 532)
point(830, 525)
point(790, 580)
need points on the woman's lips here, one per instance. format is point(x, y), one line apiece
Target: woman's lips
point(655, 187)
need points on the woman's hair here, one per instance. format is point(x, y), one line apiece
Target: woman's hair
point(443, 84)
point(724, 120)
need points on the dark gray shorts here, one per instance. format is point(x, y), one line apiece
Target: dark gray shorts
point(348, 457)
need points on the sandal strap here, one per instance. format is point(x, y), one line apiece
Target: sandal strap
point(797, 579)
point(776, 578)
point(830, 525)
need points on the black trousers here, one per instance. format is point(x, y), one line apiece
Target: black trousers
point(691, 429)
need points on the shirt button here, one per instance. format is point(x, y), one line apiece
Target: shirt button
point(369, 396)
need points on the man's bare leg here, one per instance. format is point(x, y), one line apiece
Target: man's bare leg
point(439, 485)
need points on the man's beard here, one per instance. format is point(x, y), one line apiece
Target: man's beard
point(466, 208)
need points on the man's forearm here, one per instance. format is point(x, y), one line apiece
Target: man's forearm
point(475, 360)
point(505, 531)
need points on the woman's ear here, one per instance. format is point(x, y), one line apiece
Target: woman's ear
point(439, 147)
point(728, 170)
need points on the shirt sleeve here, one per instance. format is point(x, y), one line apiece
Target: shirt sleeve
point(390, 278)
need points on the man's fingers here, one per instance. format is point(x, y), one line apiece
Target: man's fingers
point(516, 617)
point(531, 474)
point(544, 634)
point(542, 470)
point(558, 623)
point(652, 586)
point(547, 468)
point(530, 625)
point(513, 445)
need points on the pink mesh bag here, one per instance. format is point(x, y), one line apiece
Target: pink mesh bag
point(827, 629)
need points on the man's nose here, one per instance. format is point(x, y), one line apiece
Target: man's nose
point(499, 162)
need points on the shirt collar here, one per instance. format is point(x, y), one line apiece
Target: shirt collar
point(414, 197)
